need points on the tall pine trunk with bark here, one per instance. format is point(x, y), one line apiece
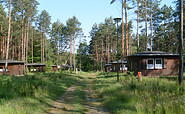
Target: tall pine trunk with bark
point(7, 49)
point(146, 26)
point(137, 25)
point(126, 27)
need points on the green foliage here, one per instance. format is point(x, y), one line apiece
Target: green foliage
point(48, 66)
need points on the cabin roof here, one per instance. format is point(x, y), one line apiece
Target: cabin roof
point(120, 61)
point(53, 65)
point(11, 61)
point(36, 64)
point(66, 65)
point(154, 53)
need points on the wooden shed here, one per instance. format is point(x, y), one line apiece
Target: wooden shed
point(15, 68)
point(54, 68)
point(108, 67)
point(154, 63)
point(36, 67)
point(66, 66)
point(113, 67)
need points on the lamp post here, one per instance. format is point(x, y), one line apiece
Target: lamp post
point(117, 20)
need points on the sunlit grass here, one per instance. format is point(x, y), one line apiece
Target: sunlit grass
point(152, 95)
point(32, 93)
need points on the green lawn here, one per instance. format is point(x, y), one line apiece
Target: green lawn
point(152, 95)
point(36, 92)
point(33, 93)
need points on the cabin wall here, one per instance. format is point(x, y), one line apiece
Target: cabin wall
point(114, 67)
point(13, 69)
point(37, 68)
point(172, 68)
point(139, 64)
point(54, 68)
point(133, 65)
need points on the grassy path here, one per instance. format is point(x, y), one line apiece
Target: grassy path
point(79, 98)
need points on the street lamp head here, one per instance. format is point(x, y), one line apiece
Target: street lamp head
point(117, 20)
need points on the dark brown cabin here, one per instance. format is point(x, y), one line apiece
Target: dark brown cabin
point(15, 68)
point(108, 67)
point(36, 67)
point(154, 63)
point(54, 68)
point(66, 66)
point(113, 66)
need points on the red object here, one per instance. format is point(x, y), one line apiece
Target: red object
point(139, 74)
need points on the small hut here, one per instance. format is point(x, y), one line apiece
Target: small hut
point(112, 67)
point(15, 68)
point(36, 67)
point(154, 63)
point(108, 67)
point(121, 68)
point(66, 66)
point(54, 68)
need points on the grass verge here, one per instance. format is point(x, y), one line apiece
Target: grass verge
point(152, 95)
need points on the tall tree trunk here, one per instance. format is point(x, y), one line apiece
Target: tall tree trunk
point(102, 57)
point(2, 43)
point(122, 37)
point(108, 53)
point(43, 45)
point(97, 65)
point(11, 44)
point(19, 50)
point(74, 53)
point(169, 37)
point(137, 25)
point(22, 32)
point(146, 25)
point(24, 50)
point(9, 26)
point(32, 47)
point(5, 42)
point(27, 44)
point(181, 47)
point(151, 32)
point(71, 49)
point(126, 32)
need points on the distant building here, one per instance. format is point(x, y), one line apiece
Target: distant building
point(15, 68)
point(36, 67)
point(54, 68)
point(66, 66)
point(154, 63)
point(112, 67)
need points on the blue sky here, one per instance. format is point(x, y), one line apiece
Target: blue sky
point(88, 12)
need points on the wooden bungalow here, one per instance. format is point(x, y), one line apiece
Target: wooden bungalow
point(66, 66)
point(36, 67)
point(54, 68)
point(154, 63)
point(15, 68)
point(108, 67)
point(112, 67)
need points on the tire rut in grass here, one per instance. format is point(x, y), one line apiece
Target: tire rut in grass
point(63, 105)
point(93, 105)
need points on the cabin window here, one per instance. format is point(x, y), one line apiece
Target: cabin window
point(150, 63)
point(114, 68)
point(1, 69)
point(125, 67)
point(158, 63)
point(110, 68)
